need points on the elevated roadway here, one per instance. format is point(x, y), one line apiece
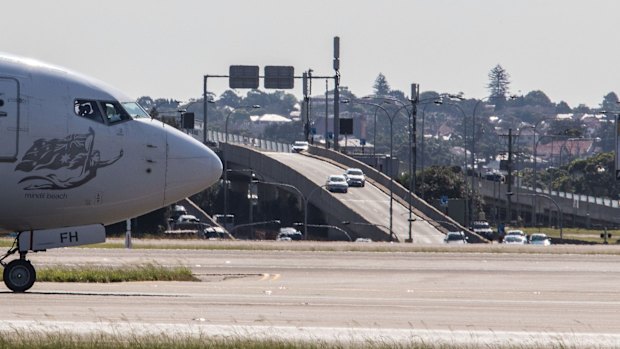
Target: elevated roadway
point(367, 209)
point(370, 202)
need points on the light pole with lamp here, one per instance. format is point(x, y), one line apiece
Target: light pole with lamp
point(435, 101)
point(467, 191)
point(256, 106)
point(301, 195)
point(391, 175)
point(473, 146)
point(366, 224)
point(250, 194)
point(306, 201)
point(548, 197)
point(374, 136)
point(344, 232)
point(252, 224)
point(534, 160)
point(411, 119)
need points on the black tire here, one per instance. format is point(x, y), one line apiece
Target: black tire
point(19, 275)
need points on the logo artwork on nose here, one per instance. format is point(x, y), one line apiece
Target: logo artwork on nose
point(62, 163)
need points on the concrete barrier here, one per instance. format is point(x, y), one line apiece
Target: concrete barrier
point(420, 207)
point(272, 170)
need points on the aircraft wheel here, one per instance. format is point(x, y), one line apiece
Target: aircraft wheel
point(19, 275)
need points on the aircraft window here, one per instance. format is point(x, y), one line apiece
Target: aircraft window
point(135, 110)
point(87, 109)
point(114, 112)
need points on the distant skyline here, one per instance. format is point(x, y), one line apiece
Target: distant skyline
point(565, 48)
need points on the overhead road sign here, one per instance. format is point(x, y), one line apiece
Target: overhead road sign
point(279, 77)
point(243, 76)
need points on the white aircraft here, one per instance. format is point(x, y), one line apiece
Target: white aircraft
point(76, 154)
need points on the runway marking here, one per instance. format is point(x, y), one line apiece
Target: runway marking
point(270, 277)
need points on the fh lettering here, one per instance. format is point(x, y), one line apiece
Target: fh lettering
point(69, 236)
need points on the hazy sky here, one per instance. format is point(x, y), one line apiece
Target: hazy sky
point(566, 48)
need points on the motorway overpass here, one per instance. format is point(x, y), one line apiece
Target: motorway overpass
point(576, 210)
point(366, 208)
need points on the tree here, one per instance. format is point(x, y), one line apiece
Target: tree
point(610, 102)
point(538, 98)
point(146, 102)
point(230, 99)
point(563, 108)
point(381, 86)
point(499, 80)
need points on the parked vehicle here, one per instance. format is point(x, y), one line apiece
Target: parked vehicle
point(337, 183)
point(455, 237)
point(299, 146)
point(483, 229)
point(288, 233)
point(176, 211)
point(516, 232)
point(494, 176)
point(355, 177)
point(514, 240)
point(540, 239)
point(187, 218)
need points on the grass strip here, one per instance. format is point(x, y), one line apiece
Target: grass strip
point(63, 340)
point(100, 274)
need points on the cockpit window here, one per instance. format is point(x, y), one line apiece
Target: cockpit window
point(88, 109)
point(135, 110)
point(114, 112)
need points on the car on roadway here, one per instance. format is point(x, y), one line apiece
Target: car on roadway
point(455, 237)
point(516, 232)
point(514, 240)
point(540, 239)
point(187, 218)
point(363, 240)
point(299, 146)
point(337, 183)
point(289, 234)
point(355, 177)
point(483, 229)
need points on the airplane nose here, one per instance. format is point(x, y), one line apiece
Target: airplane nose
point(191, 167)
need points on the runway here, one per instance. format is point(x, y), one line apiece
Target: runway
point(455, 297)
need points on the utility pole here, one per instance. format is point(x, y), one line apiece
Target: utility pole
point(336, 92)
point(509, 178)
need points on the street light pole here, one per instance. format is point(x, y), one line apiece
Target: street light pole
point(391, 174)
point(548, 197)
point(306, 201)
point(413, 156)
point(301, 195)
point(204, 104)
point(467, 191)
point(224, 157)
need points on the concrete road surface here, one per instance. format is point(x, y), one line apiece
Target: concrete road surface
point(369, 201)
point(474, 297)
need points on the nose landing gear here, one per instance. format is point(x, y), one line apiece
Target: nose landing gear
point(19, 274)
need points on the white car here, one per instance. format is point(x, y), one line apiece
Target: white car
point(514, 240)
point(355, 177)
point(483, 229)
point(540, 239)
point(290, 234)
point(299, 146)
point(337, 183)
point(187, 218)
